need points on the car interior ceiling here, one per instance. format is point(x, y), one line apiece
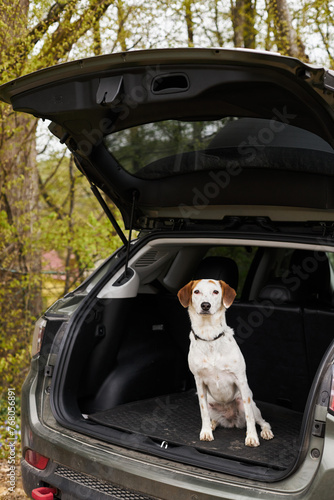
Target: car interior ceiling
point(137, 348)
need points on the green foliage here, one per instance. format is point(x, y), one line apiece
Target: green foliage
point(16, 294)
point(45, 203)
point(71, 221)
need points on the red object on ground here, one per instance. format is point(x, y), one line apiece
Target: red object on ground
point(44, 493)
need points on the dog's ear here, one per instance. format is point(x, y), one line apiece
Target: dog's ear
point(184, 294)
point(229, 294)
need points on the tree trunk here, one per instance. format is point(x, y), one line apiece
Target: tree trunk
point(237, 16)
point(189, 22)
point(288, 42)
point(20, 262)
point(249, 25)
point(243, 20)
point(18, 171)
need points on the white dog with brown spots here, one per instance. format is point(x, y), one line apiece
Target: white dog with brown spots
point(217, 363)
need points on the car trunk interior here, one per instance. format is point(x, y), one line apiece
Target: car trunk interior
point(129, 366)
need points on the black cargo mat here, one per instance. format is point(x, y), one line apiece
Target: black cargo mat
point(175, 420)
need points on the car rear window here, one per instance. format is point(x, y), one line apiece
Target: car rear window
point(174, 147)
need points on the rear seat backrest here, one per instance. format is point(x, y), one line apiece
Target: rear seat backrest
point(284, 334)
point(271, 338)
point(314, 274)
point(310, 276)
point(319, 334)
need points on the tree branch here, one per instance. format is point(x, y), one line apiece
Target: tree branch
point(67, 33)
point(324, 37)
point(47, 199)
point(48, 179)
point(53, 16)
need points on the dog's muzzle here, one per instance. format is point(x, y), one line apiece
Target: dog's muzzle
point(205, 306)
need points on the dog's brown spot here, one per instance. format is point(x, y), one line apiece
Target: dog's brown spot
point(204, 360)
point(248, 400)
point(184, 295)
point(210, 281)
point(202, 395)
point(228, 295)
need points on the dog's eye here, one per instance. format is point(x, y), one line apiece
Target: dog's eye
point(196, 291)
point(215, 292)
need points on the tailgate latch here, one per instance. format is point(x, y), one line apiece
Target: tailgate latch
point(318, 429)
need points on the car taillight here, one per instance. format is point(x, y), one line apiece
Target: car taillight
point(38, 336)
point(36, 459)
point(331, 399)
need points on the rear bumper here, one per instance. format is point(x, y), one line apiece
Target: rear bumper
point(73, 485)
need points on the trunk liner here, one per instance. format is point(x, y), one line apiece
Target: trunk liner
point(175, 419)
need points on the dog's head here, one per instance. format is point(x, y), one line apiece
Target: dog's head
point(207, 296)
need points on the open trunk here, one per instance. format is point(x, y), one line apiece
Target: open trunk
point(126, 379)
point(174, 420)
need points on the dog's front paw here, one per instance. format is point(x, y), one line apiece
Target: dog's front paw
point(252, 441)
point(267, 433)
point(206, 435)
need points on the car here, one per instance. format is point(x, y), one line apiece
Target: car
point(222, 162)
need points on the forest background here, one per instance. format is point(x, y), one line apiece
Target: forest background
point(52, 230)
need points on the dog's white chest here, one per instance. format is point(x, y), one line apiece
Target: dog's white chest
point(212, 359)
point(215, 368)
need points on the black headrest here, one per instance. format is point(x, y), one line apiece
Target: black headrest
point(219, 268)
point(308, 279)
point(313, 263)
point(278, 292)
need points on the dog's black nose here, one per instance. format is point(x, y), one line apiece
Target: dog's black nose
point(205, 306)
